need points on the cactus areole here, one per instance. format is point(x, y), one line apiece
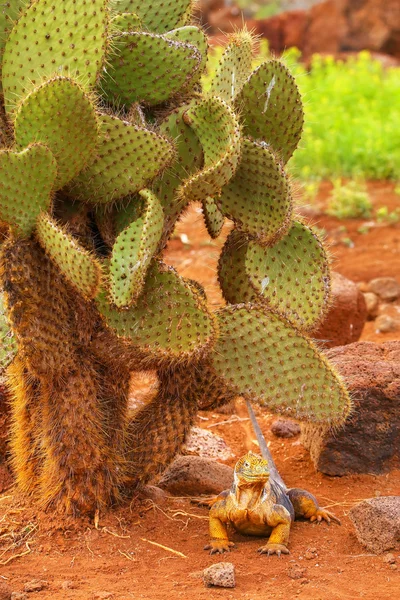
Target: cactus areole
point(107, 136)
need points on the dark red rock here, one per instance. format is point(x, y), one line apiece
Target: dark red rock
point(369, 442)
point(285, 428)
point(377, 524)
point(347, 316)
point(193, 475)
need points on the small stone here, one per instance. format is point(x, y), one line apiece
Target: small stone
point(310, 553)
point(387, 288)
point(295, 571)
point(377, 523)
point(35, 585)
point(220, 574)
point(285, 428)
point(5, 591)
point(102, 596)
point(19, 596)
point(69, 585)
point(389, 558)
point(372, 303)
point(386, 324)
point(194, 475)
point(393, 566)
point(201, 442)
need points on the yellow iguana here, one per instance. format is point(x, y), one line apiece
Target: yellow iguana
point(259, 503)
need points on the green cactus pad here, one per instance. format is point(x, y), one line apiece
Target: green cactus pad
point(189, 159)
point(264, 358)
point(61, 116)
point(9, 12)
point(148, 68)
point(125, 22)
point(127, 158)
point(217, 128)
point(271, 108)
point(51, 38)
point(196, 37)
point(169, 322)
point(258, 197)
point(26, 181)
point(234, 67)
point(159, 15)
point(213, 217)
point(232, 275)
point(292, 276)
point(79, 267)
point(8, 343)
point(133, 251)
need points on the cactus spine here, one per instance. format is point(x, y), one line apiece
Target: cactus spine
point(107, 137)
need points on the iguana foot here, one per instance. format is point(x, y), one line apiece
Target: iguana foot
point(270, 549)
point(324, 515)
point(219, 546)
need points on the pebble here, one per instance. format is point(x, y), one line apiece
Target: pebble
point(103, 596)
point(389, 558)
point(385, 324)
point(69, 585)
point(220, 574)
point(5, 591)
point(36, 585)
point(296, 571)
point(19, 596)
point(310, 553)
point(372, 303)
point(386, 288)
point(285, 428)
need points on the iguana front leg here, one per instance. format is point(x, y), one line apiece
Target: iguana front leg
point(279, 518)
point(219, 541)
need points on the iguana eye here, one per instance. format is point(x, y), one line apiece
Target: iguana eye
point(246, 464)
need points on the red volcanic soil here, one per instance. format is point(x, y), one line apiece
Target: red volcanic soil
point(118, 558)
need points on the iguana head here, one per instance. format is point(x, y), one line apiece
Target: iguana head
point(251, 468)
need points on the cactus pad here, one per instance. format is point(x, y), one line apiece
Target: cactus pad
point(189, 159)
point(234, 67)
point(127, 158)
point(159, 15)
point(149, 68)
point(51, 38)
point(217, 128)
point(26, 181)
point(258, 197)
point(126, 22)
point(169, 322)
point(262, 357)
point(232, 275)
point(8, 14)
point(196, 37)
point(133, 251)
point(81, 269)
point(292, 276)
point(213, 218)
point(271, 108)
point(59, 115)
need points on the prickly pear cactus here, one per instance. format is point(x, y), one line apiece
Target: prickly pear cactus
point(107, 136)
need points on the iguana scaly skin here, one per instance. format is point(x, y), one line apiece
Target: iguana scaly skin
point(259, 503)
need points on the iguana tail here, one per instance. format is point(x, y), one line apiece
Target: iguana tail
point(265, 453)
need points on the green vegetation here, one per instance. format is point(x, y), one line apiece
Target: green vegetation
point(352, 117)
point(349, 201)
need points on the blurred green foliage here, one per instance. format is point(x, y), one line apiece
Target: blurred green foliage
point(349, 200)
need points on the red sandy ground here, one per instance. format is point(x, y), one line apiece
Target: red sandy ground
point(118, 557)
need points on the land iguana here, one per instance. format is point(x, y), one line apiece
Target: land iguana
point(259, 503)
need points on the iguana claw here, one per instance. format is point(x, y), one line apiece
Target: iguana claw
point(324, 515)
point(219, 546)
point(270, 549)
